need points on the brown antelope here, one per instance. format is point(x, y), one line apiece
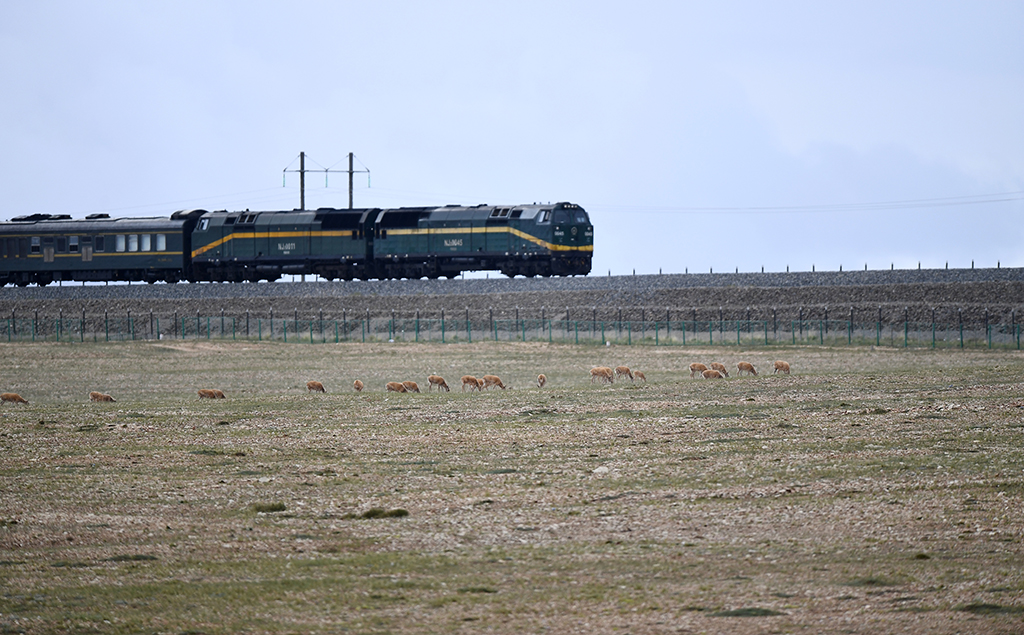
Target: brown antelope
point(469, 380)
point(98, 396)
point(745, 367)
point(206, 393)
point(696, 368)
point(640, 376)
point(315, 386)
point(411, 386)
point(219, 394)
point(12, 397)
point(624, 370)
point(711, 373)
point(783, 366)
point(493, 380)
point(603, 373)
point(719, 367)
point(437, 380)
point(358, 385)
point(394, 386)
point(541, 380)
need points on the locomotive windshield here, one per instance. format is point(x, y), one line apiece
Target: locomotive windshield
point(581, 217)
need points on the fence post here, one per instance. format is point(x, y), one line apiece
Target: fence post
point(711, 332)
point(221, 323)
point(207, 327)
point(737, 332)
point(311, 331)
point(878, 330)
point(602, 333)
point(469, 328)
point(106, 325)
point(682, 325)
point(442, 326)
point(82, 334)
point(655, 332)
point(259, 327)
point(960, 315)
point(765, 332)
point(284, 329)
point(131, 325)
point(577, 331)
point(906, 326)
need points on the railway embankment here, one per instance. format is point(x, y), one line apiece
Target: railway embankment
point(943, 295)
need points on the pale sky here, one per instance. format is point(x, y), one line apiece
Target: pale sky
point(699, 136)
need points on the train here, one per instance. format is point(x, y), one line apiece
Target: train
point(554, 239)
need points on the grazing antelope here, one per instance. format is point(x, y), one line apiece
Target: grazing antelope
point(98, 396)
point(394, 386)
point(719, 367)
point(437, 380)
point(744, 367)
point(12, 397)
point(206, 393)
point(493, 380)
point(411, 386)
point(624, 370)
point(219, 394)
point(603, 373)
point(711, 373)
point(315, 386)
point(696, 368)
point(469, 380)
point(783, 366)
point(541, 380)
point(358, 385)
point(640, 375)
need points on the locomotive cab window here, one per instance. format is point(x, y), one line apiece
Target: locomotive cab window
point(545, 217)
point(204, 224)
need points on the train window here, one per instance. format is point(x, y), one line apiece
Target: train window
point(146, 242)
point(119, 242)
point(73, 244)
point(99, 243)
point(62, 244)
point(133, 242)
point(545, 217)
point(161, 242)
point(204, 224)
point(35, 244)
point(581, 216)
point(230, 220)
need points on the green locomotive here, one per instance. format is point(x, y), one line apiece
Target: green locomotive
point(196, 245)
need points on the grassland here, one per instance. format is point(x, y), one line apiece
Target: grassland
point(873, 490)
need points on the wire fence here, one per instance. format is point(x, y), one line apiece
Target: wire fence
point(747, 333)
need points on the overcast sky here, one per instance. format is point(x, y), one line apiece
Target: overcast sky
point(699, 136)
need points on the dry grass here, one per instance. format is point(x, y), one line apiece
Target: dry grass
point(869, 491)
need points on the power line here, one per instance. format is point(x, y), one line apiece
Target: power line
point(830, 208)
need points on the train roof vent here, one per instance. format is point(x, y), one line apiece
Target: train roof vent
point(32, 217)
point(96, 216)
point(60, 216)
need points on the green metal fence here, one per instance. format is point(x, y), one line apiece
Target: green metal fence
point(747, 333)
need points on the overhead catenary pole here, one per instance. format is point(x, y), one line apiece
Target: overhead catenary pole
point(302, 178)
